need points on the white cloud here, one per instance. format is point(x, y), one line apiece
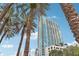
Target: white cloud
point(32, 52)
point(54, 16)
point(50, 17)
point(7, 46)
point(32, 49)
point(72, 43)
point(24, 36)
point(34, 36)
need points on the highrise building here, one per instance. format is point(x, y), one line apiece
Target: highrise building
point(49, 34)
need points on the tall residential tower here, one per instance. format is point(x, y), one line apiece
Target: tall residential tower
point(49, 34)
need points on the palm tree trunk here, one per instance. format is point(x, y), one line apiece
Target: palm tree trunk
point(26, 50)
point(6, 8)
point(20, 44)
point(72, 18)
point(3, 36)
point(28, 33)
point(4, 25)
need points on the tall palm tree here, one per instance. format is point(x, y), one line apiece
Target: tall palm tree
point(20, 44)
point(25, 23)
point(22, 13)
point(29, 26)
point(35, 10)
point(72, 18)
point(3, 14)
point(6, 8)
point(3, 35)
point(9, 28)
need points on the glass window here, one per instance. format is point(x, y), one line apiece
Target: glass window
point(51, 47)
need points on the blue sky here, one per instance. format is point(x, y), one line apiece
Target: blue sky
point(9, 46)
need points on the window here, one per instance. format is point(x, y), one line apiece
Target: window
point(51, 47)
point(57, 48)
point(54, 47)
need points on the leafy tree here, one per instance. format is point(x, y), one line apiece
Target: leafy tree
point(55, 53)
point(71, 51)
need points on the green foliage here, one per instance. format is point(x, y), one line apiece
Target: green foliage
point(56, 53)
point(68, 51)
point(71, 51)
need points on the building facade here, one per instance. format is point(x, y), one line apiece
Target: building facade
point(49, 34)
point(53, 47)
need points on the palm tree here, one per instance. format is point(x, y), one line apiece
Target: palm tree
point(23, 13)
point(38, 10)
point(29, 26)
point(20, 44)
point(6, 8)
point(25, 22)
point(3, 14)
point(35, 9)
point(9, 28)
point(3, 35)
point(72, 18)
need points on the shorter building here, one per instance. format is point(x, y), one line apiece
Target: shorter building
point(53, 47)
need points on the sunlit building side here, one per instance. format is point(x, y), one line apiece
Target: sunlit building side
point(49, 34)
